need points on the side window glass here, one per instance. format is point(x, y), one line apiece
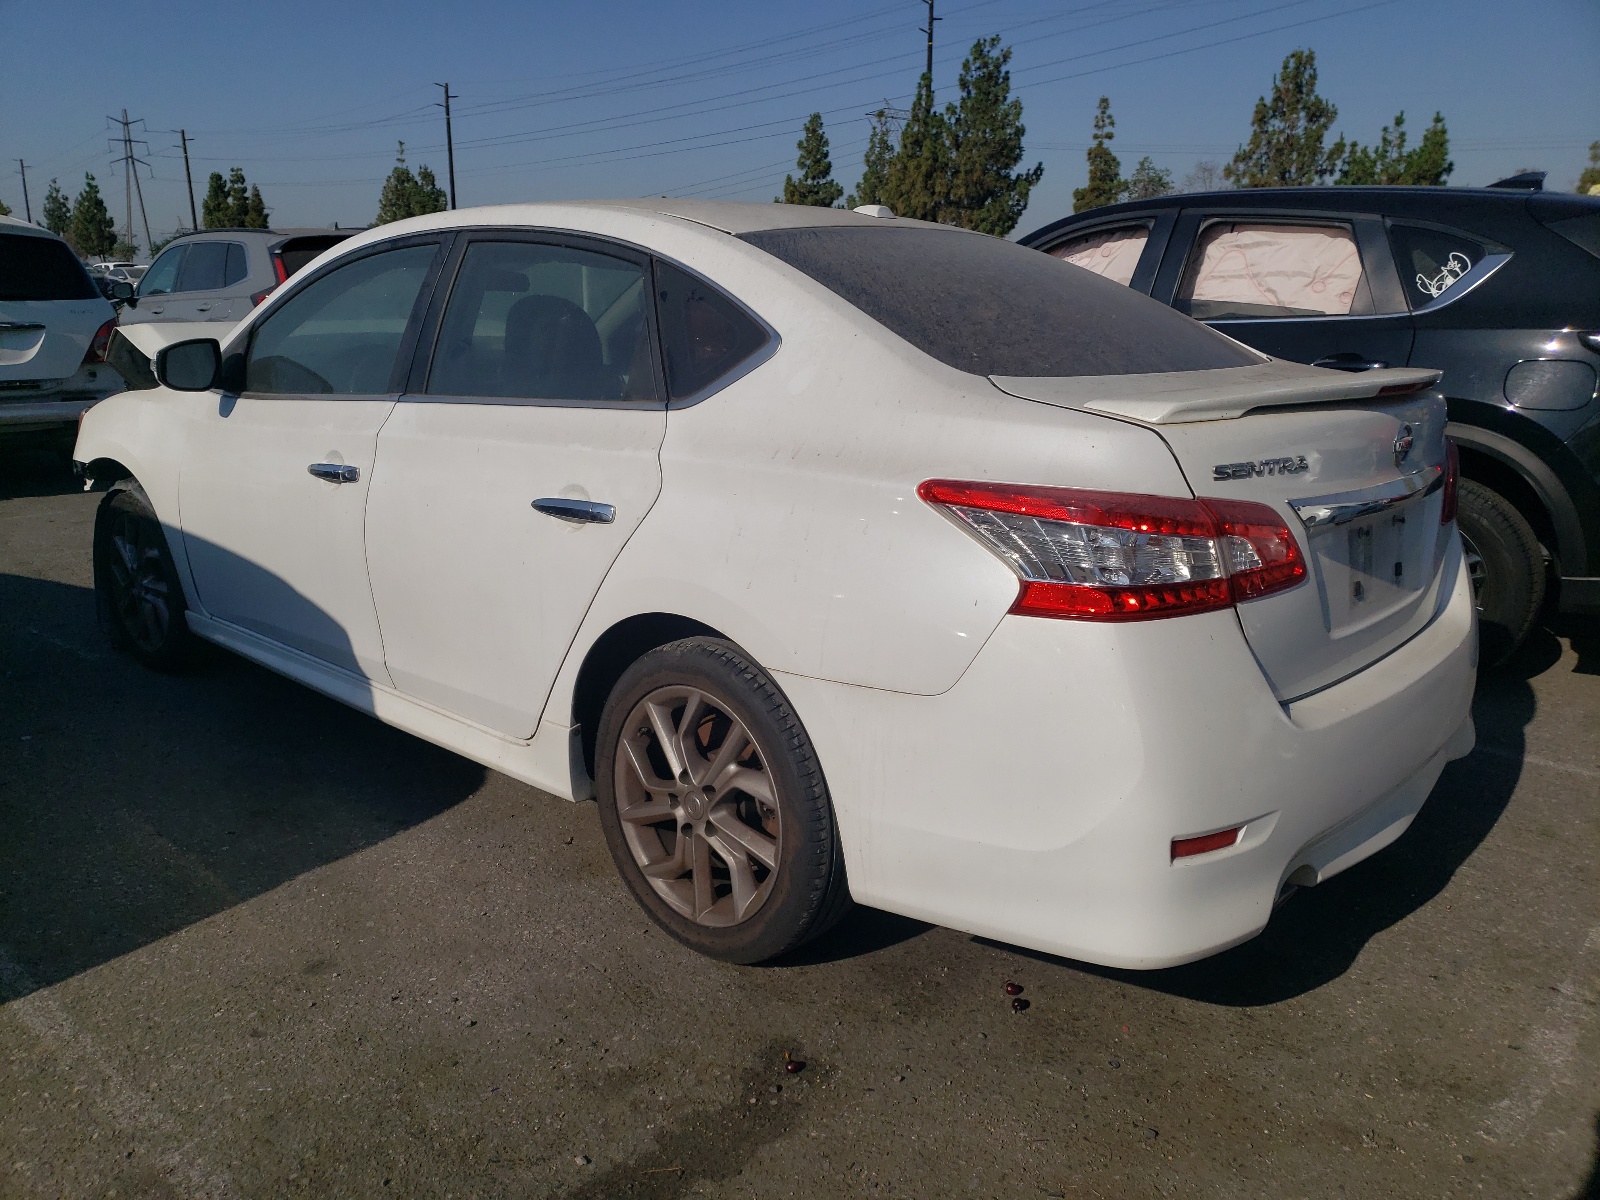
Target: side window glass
point(235, 269)
point(703, 333)
point(204, 267)
point(1241, 270)
point(1113, 253)
point(340, 335)
point(1430, 262)
point(162, 276)
point(541, 322)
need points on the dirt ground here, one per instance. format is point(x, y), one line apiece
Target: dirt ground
point(256, 944)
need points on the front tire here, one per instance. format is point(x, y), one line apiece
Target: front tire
point(714, 806)
point(138, 596)
point(1507, 570)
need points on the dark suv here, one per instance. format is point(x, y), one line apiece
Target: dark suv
point(1500, 289)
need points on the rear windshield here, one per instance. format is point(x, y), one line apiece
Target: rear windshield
point(297, 252)
point(41, 268)
point(991, 307)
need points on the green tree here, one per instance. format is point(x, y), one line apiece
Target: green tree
point(815, 185)
point(917, 184)
point(1205, 177)
point(57, 211)
point(407, 195)
point(986, 131)
point(215, 210)
point(238, 199)
point(5, 209)
point(123, 251)
point(1106, 184)
point(875, 163)
point(1288, 131)
point(1149, 181)
point(255, 210)
point(1590, 179)
point(92, 233)
point(1389, 163)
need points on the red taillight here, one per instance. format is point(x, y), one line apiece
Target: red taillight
point(1108, 556)
point(100, 343)
point(257, 297)
point(1205, 843)
point(278, 269)
point(1452, 474)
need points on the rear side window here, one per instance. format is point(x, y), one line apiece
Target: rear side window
point(1242, 270)
point(704, 334)
point(1431, 261)
point(162, 277)
point(41, 268)
point(991, 307)
point(342, 332)
point(1112, 253)
point(211, 265)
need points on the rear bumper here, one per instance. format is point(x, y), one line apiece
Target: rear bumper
point(1036, 801)
point(59, 407)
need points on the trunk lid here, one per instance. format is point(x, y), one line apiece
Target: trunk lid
point(1331, 455)
point(50, 309)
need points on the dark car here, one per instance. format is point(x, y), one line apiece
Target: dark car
point(1499, 289)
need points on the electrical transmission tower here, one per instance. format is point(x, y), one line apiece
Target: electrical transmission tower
point(130, 170)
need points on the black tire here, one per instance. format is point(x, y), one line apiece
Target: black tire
point(138, 596)
point(804, 892)
point(1507, 568)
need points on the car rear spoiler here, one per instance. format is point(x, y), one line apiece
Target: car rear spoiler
point(1179, 396)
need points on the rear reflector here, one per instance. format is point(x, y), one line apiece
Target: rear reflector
point(1452, 476)
point(1110, 556)
point(1205, 843)
point(279, 269)
point(257, 297)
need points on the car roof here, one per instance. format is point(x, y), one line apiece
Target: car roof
point(726, 216)
point(233, 233)
point(13, 225)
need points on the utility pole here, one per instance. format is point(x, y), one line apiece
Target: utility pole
point(929, 32)
point(26, 207)
point(130, 164)
point(194, 221)
point(449, 141)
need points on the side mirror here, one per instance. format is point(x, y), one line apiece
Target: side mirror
point(191, 366)
point(120, 290)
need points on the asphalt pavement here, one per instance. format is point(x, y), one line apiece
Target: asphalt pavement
point(254, 944)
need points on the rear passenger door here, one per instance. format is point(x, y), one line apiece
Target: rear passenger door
point(510, 474)
point(1312, 288)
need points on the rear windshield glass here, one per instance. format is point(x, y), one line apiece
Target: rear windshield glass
point(297, 252)
point(41, 268)
point(991, 307)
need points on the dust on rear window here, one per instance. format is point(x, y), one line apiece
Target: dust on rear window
point(991, 307)
point(41, 268)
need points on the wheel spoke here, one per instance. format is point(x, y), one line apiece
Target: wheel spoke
point(740, 873)
point(667, 735)
point(644, 772)
point(673, 866)
point(733, 745)
point(649, 813)
point(688, 749)
point(704, 893)
point(750, 840)
point(755, 784)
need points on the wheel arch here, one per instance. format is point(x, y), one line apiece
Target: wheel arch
point(612, 653)
point(1529, 484)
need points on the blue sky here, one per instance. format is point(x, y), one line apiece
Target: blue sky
point(618, 98)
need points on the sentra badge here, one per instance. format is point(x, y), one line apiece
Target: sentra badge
point(1292, 465)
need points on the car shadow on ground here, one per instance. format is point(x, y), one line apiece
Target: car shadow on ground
point(1590, 1190)
point(134, 804)
point(36, 472)
point(1316, 936)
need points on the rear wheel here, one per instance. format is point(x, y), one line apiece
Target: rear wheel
point(714, 805)
point(137, 594)
point(1507, 570)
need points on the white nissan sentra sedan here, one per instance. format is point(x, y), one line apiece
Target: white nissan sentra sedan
point(837, 556)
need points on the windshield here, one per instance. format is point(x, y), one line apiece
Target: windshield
point(991, 307)
point(41, 268)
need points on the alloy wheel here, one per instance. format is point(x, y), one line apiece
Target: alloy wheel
point(1477, 570)
point(139, 588)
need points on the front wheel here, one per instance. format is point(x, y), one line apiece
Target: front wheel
point(1506, 567)
point(137, 593)
point(714, 806)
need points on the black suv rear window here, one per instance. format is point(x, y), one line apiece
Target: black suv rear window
point(41, 268)
point(991, 307)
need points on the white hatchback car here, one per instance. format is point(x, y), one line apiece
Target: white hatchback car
point(54, 329)
point(821, 545)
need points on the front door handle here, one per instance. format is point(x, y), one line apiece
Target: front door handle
point(575, 510)
point(202, 308)
point(335, 472)
point(1350, 362)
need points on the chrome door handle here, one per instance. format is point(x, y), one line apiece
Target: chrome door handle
point(575, 510)
point(335, 472)
point(1350, 362)
point(202, 308)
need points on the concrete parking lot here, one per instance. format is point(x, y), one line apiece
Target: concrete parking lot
point(255, 944)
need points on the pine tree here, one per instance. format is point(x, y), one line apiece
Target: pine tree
point(986, 131)
point(238, 199)
point(92, 232)
point(407, 195)
point(5, 209)
point(1589, 181)
point(918, 181)
point(876, 162)
point(1149, 181)
point(215, 210)
point(57, 212)
point(1106, 184)
point(815, 185)
point(1287, 132)
point(1389, 163)
point(255, 212)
